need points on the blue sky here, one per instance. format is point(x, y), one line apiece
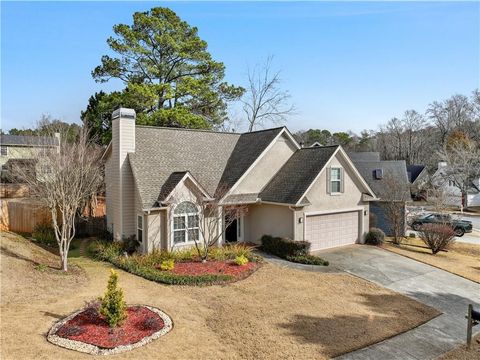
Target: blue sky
point(347, 65)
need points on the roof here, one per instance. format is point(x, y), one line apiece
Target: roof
point(163, 156)
point(296, 175)
point(24, 140)
point(246, 151)
point(395, 169)
point(364, 156)
point(413, 171)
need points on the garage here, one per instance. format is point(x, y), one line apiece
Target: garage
point(330, 230)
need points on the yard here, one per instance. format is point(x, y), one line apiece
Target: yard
point(275, 313)
point(461, 259)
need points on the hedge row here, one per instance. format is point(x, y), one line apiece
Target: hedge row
point(294, 251)
point(112, 253)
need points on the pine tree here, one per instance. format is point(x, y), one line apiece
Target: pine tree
point(113, 305)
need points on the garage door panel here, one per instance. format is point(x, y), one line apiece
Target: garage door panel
point(330, 230)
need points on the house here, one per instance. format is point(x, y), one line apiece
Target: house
point(18, 150)
point(313, 194)
point(418, 178)
point(452, 194)
point(389, 181)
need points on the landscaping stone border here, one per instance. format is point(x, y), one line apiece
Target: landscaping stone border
point(96, 350)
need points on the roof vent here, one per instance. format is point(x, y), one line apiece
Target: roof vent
point(378, 174)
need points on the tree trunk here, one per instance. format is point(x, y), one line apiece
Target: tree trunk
point(64, 261)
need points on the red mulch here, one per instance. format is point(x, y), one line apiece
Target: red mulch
point(213, 267)
point(90, 327)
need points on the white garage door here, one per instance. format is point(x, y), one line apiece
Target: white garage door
point(330, 230)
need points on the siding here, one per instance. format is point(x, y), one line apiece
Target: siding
point(378, 219)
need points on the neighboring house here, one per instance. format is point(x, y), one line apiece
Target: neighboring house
point(18, 150)
point(418, 178)
point(389, 181)
point(314, 194)
point(452, 194)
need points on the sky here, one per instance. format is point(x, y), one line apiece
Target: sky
point(347, 65)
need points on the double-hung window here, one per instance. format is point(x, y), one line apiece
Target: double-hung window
point(335, 180)
point(4, 150)
point(185, 223)
point(140, 228)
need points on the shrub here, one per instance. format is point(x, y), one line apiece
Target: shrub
point(241, 260)
point(411, 235)
point(284, 247)
point(167, 265)
point(113, 305)
point(436, 236)
point(308, 260)
point(375, 237)
point(44, 234)
point(130, 244)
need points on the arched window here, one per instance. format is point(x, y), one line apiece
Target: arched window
point(185, 223)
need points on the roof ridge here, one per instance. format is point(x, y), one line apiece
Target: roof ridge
point(319, 147)
point(187, 129)
point(262, 130)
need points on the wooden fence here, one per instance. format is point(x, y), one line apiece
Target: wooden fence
point(20, 215)
point(23, 215)
point(13, 190)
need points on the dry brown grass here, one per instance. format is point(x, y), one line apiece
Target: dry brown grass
point(275, 313)
point(461, 352)
point(461, 259)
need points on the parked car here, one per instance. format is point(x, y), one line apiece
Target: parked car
point(459, 226)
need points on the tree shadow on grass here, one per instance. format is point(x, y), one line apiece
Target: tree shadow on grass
point(53, 315)
point(7, 252)
point(340, 334)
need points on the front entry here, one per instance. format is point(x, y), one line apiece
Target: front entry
point(231, 232)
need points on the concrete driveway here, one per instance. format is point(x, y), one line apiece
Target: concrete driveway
point(444, 291)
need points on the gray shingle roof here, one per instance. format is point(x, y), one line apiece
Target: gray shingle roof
point(170, 184)
point(296, 175)
point(395, 169)
point(413, 171)
point(163, 155)
point(23, 140)
point(246, 151)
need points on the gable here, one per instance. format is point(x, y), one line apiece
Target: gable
point(266, 167)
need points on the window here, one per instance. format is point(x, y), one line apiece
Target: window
point(335, 180)
point(140, 228)
point(239, 227)
point(4, 150)
point(185, 223)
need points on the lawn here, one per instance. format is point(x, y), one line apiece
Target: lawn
point(461, 352)
point(275, 313)
point(461, 259)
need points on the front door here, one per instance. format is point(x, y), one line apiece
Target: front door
point(231, 232)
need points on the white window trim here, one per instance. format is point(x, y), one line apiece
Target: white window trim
point(140, 215)
point(336, 193)
point(187, 236)
point(240, 228)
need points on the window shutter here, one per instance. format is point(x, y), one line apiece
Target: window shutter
point(342, 182)
point(329, 182)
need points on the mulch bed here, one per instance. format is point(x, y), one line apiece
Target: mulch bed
point(91, 328)
point(193, 268)
point(87, 330)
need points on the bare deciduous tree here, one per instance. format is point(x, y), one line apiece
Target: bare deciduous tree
point(264, 100)
point(213, 218)
point(396, 193)
point(463, 165)
point(65, 181)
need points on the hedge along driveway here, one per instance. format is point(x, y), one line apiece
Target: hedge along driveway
point(275, 313)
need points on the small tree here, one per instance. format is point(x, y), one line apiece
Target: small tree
point(113, 305)
point(214, 217)
point(67, 177)
point(264, 100)
point(396, 193)
point(436, 236)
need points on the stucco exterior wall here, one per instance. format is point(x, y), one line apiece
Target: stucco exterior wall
point(266, 219)
point(267, 167)
point(320, 200)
